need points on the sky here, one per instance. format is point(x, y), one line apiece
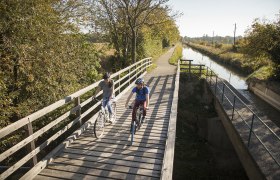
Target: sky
point(201, 17)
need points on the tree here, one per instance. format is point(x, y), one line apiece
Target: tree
point(124, 19)
point(42, 55)
point(263, 40)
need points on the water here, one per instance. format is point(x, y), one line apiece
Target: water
point(236, 80)
point(260, 107)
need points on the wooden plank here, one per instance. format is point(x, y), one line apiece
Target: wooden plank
point(73, 165)
point(85, 173)
point(127, 133)
point(117, 134)
point(46, 177)
point(113, 156)
point(121, 162)
point(125, 140)
point(167, 165)
point(105, 147)
point(69, 175)
point(123, 152)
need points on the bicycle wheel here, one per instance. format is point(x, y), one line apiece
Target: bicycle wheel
point(99, 126)
point(132, 131)
point(139, 120)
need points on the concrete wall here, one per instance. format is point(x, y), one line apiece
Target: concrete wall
point(249, 164)
point(265, 93)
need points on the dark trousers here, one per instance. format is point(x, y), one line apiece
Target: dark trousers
point(136, 106)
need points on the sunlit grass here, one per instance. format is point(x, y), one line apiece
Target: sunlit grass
point(177, 54)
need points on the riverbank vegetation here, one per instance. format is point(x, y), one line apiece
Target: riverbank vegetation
point(177, 54)
point(256, 54)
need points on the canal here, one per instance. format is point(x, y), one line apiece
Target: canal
point(238, 81)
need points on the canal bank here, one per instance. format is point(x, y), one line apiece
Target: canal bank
point(262, 108)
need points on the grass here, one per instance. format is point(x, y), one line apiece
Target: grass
point(177, 54)
point(260, 68)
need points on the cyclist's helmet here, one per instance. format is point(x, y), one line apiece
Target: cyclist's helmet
point(106, 75)
point(139, 81)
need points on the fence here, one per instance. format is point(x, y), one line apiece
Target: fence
point(252, 129)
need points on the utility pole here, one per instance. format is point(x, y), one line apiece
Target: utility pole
point(234, 34)
point(213, 39)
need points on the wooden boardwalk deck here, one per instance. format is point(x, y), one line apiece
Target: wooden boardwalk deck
point(112, 157)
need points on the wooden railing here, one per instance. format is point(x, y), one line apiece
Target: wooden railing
point(167, 165)
point(85, 114)
point(189, 67)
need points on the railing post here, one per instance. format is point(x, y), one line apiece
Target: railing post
point(190, 64)
point(210, 77)
point(200, 70)
point(119, 77)
point(223, 92)
point(146, 65)
point(233, 107)
point(251, 129)
point(31, 147)
point(216, 85)
point(206, 73)
point(129, 76)
point(78, 112)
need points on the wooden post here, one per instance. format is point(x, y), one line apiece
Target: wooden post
point(78, 112)
point(200, 66)
point(129, 76)
point(210, 77)
point(206, 73)
point(119, 76)
point(190, 64)
point(32, 143)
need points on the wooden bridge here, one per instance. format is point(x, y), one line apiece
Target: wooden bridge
point(81, 155)
point(65, 147)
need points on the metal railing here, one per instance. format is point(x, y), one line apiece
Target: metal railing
point(246, 121)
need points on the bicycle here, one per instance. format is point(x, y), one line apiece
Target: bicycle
point(136, 124)
point(103, 118)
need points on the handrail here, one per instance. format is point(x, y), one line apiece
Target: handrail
point(235, 96)
point(145, 63)
point(248, 107)
point(253, 115)
point(168, 157)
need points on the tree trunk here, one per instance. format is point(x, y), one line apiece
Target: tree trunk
point(134, 46)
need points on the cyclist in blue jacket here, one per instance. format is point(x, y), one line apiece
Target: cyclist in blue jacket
point(142, 98)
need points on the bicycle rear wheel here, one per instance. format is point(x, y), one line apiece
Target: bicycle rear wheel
point(99, 126)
